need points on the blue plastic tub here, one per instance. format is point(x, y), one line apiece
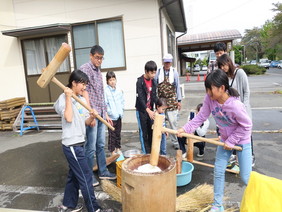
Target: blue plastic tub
point(186, 175)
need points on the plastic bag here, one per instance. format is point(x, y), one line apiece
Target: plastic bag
point(262, 194)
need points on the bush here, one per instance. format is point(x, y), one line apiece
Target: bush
point(253, 69)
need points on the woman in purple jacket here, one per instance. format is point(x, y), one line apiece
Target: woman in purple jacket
point(234, 125)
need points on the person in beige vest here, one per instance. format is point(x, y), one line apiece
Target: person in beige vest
point(168, 87)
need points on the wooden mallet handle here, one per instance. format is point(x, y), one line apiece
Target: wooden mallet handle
point(156, 140)
point(57, 82)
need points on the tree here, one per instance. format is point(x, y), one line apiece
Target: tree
point(277, 22)
point(275, 38)
point(253, 44)
point(265, 32)
point(267, 40)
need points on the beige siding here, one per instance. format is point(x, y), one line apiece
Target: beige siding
point(141, 34)
point(11, 64)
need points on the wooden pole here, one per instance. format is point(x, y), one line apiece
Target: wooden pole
point(190, 150)
point(212, 166)
point(178, 161)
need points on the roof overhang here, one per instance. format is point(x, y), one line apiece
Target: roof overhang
point(176, 13)
point(206, 41)
point(38, 30)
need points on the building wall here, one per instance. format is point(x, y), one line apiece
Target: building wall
point(11, 65)
point(141, 34)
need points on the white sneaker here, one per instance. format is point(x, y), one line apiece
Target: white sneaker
point(253, 160)
point(184, 155)
point(232, 158)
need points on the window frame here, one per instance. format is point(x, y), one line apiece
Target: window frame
point(95, 23)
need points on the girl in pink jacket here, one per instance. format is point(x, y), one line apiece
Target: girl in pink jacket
point(234, 125)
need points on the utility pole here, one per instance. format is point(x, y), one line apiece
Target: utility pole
point(241, 54)
point(244, 54)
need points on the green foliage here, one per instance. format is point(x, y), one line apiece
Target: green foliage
point(238, 49)
point(205, 61)
point(265, 32)
point(202, 62)
point(265, 41)
point(253, 69)
point(277, 21)
point(277, 92)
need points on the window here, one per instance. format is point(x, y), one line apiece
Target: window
point(39, 53)
point(108, 34)
point(84, 37)
point(170, 42)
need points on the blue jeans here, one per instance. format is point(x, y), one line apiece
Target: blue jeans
point(95, 143)
point(79, 177)
point(221, 160)
point(163, 144)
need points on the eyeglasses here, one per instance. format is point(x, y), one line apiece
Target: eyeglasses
point(98, 58)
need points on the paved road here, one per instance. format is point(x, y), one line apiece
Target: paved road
point(33, 168)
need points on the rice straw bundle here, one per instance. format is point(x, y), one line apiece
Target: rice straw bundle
point(225, 210)
point(196, 199)
point(231, 210)
point(111, 189)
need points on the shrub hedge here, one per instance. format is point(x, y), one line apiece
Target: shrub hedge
point(253, 69)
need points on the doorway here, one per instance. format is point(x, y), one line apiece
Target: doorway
point(37, 54)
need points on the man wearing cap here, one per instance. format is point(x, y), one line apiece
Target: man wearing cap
point(167, 79)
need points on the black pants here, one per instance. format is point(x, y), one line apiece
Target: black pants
point(252, 144)
point(114, 136)
point(145, 131)
point(79, 177)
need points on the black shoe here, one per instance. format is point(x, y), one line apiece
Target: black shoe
point(107, 176)
point(176, 146)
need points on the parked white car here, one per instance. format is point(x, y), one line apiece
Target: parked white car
point(264, 63)
point(197, 68)
point(204, 68)
point(253, 62)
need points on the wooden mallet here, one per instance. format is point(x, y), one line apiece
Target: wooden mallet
point(190, 147)
point(50, 71)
